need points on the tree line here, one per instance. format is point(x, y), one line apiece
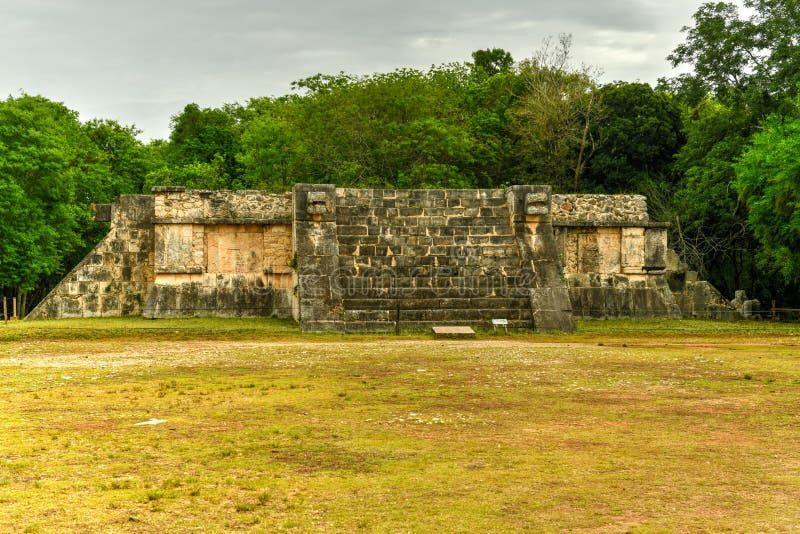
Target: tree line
point(714, 149)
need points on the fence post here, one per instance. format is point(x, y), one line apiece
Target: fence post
point(14, 316)
point(5, 309)
point(773, 309)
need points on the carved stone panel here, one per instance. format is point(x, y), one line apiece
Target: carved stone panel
point(588, 252)
point(234, 249)
point(655, 249)
point(608, 244)
point(173, 247)
point(632, 250)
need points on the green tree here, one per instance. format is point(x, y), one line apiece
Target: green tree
point(27, 243)
point(406, 128)
point(45, 161)
point(492, 61)
point(710, 222)
point(126, 159)
point(754, 60)
point(489, 101)
point(552, 119)
point(720, 47)
point(206, 136)
point(743, 69)
point(207, 176)
point(768, 180)
point(642, 131)
point(270, 146)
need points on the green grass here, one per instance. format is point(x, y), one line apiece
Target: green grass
point(641, 426)
point(193, 328)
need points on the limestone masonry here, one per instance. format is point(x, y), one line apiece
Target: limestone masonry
point(379, 259)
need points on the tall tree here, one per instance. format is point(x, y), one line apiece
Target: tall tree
point(207, 137)
point(744, 68)
point(753, 60)
point(126, 159)
point(552, 121)
point(710, 225)
point(768, 180)
point(269, 146)
point(492, 61)
point(406, 128)
point(642, 131)
point(27, 243)
point(44, 156)
point(489, 101)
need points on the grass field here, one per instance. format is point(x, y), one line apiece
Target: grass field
point(646, 426)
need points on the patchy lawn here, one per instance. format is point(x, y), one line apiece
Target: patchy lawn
point(625, 426)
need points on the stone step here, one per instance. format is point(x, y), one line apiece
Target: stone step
point(493, 303)
point(425, 326)
point(476, 288)
point(439, 315)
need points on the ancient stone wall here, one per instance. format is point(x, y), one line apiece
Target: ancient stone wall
point(599, 209)
point(369, 257)
point(179, 206)
point(355, 260)
point(614, 258)
point(221, 253)
point(114, 278)
point(608, 250)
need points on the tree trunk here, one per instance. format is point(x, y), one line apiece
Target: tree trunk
point(22, 297)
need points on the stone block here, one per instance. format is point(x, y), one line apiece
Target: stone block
point(318, 202)
point(633, 250)
point(453, 332)
point(102, 212)
point(537, 203)
point(655, 249)
point(552, 309)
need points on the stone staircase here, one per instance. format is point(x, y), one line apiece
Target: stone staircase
point(430, 256)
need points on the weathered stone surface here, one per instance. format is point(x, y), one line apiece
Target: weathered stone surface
point(655, 249)
point(222, 270)
point(318, 296)
point(102, 212)
point(453, 331)
point(599, 209)
point(443, 257)
point(552, 309)
point(550, 305)
point(537, 203)
point(221, 207)
point(113, 279)
point(703, 301)
point(362, 259)
point(749, 309)
point(235, 296)
point(222, 253)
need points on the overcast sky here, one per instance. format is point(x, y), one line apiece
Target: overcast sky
point(141, 61)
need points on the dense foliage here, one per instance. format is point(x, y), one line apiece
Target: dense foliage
point(768, 179)
point(715, 149)
point(745, 74)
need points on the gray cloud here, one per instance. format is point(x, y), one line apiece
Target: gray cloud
point(140, 62)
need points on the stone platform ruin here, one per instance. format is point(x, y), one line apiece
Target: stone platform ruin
point(350, 260)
